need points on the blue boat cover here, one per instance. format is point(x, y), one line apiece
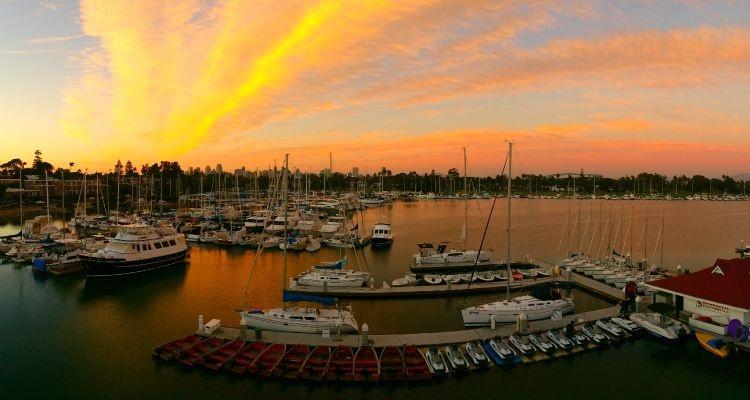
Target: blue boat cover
point(308, 297)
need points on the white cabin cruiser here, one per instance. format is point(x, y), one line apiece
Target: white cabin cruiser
point(382, 235)
point(135, 249)
point(429, 256)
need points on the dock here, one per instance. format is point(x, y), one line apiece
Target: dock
point(416, 339)
point(442, 290)
point(447, 290)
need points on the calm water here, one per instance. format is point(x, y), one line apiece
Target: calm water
point(84, 339)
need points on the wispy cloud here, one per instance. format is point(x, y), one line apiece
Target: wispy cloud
point(53, 39)
point(30, 52)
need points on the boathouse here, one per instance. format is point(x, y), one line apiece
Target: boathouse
point(719, 293)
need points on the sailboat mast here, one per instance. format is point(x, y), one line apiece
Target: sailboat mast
point(510, 183)
point(466, 206)
point(286, 214)
point(46, 184)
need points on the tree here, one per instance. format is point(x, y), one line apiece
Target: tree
point(118, 169)
point(12, 167)
point(129, 169)
point(453, 173)
point(40, 166)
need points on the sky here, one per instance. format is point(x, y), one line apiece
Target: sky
point(610, 87)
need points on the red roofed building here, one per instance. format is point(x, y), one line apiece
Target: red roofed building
point(721, 291)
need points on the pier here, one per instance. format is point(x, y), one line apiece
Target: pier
point(446, 290)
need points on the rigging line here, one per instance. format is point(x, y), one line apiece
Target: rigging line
point(484, 235)
point(258, 252)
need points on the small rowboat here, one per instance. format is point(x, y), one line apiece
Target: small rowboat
point(216, 360)
point(316, 365)
point(245, 357)
point(267, 361)
point(416, 366)
point(392, 364)
point(169, 350)
point(291, 364)
point(366, 367)
point(716, 345)
point(195, 354)
point(342, 364)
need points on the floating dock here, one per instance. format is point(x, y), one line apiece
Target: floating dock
point(416, 290)
point(445, 290)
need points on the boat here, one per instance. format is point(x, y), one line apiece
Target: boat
point(392, 366)
point(485, 276)
point(613, 330)
point(661, 326)
point(382, 235)
point(246, 356)
point(543, 344)
point(195, 354)
point(431, 258)
point(366, 366)
point(300, 320)
point(333, 278)
point(714, 344)
point(466, 278)
point(316, 365)
point(409, 279)
point(313, 245)
point(267, 360)
point(560, 340)
point(627, 325)
point(579, 338)
point(294, 243)
point(436, 362)
point(341, 367)
point(415, 364)
point(433, 279)
point(136, 249)
point(453, 279)
point(169, 350)
point(508, 310)
point(455, 358)
point(522, 345)
point(291, 363)
point(217, 359)
point(501, 352)
point(594, 335)
point(476, 355)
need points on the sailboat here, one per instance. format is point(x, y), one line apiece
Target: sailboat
point(431, 258)
point(297, 319)
point(509, 309)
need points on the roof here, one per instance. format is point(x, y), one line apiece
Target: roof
point(726, 282)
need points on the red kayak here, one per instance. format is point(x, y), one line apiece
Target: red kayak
point(195, 354)
point(391, 364)
point(216, 360)
point(366, 365)
point(245, 357)
point(267, 360)
point(291, 364)
point(342, 364)
point(168, 350)
point(317, 363)
point(416, 365)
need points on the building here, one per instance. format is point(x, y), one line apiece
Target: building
point(720, 292)
point(355, 172)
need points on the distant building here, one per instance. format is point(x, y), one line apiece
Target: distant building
point(219, 168)
point(355, 172)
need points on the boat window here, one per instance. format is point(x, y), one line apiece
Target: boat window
point(165, 244)
point(157, 245)
point(138, 247)
point(172, 243)
point(148, 246)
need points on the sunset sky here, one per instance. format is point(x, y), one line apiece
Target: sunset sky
point(614, 87)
